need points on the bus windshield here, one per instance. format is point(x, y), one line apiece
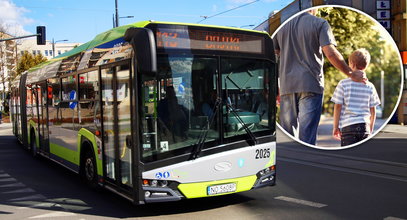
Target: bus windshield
point(179, 103)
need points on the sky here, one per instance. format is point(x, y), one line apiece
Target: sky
point(79, 21)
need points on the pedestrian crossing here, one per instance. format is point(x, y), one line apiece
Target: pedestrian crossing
point(17, 194)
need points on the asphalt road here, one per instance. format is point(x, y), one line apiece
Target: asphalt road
point(366, 182)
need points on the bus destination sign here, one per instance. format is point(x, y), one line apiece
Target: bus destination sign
point(208, 40)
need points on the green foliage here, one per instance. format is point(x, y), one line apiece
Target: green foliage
point(28, 60)
point(352, 31)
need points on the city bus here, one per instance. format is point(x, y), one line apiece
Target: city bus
point(156, 111)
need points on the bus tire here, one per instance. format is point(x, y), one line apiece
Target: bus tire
point(33, 144)
point(88, 168)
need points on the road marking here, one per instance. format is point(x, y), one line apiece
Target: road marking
point(26, 190)
point(25, 198)
point(53, 215)
point(13, 185)
point(393, 218)
point(301, 202)
point(42, 205)
point(8, 180)
point(4, 175)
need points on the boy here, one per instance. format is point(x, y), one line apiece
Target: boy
point(355, 104)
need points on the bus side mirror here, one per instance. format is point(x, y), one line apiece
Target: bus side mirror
point(143, 42)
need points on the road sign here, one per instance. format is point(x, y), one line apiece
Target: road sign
point(72, 96)
point(385, 23)
point(383, 14)
point(383, 4)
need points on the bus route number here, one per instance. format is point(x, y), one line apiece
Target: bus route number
point(263, 153)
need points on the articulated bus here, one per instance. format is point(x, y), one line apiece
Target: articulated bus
point(156, 111)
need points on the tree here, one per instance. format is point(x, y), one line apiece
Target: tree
point(28, 60)
point(353, 30)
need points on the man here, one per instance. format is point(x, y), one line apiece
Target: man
point(301, 43)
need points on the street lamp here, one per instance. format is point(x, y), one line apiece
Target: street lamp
point(116, 23)
point(249, 25)
point(53, 45)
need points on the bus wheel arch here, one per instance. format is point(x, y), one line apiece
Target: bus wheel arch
point(88, 167)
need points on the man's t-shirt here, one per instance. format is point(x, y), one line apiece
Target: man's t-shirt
point(356, 100)
point(300, 42)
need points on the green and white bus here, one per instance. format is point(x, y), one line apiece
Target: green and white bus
point(156, 111)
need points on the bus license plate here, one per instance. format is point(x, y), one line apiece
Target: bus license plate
point(224, 188)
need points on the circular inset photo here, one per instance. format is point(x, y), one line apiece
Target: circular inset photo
point(340, 77)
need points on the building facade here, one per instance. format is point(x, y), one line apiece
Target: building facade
point(30, 45)
point(8, 64)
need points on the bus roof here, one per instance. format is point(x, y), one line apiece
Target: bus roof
point(116, 33)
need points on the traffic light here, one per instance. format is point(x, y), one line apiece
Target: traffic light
point(41, 35)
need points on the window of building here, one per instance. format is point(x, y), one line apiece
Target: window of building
point(34, 52)
point(59, 52)
point(46, 52)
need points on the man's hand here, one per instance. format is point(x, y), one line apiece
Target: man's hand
point(359, 76)
point(336, 133)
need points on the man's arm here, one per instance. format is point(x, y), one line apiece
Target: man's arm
point(336, 59)
point(372, 118)
point(336, 133)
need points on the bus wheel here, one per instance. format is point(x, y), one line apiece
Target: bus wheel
point(33, 145)
point(89, 174)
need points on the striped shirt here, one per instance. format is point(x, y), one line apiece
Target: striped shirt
point(356, 100)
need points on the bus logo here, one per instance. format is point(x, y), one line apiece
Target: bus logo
point(163, 175)
point(223, 166)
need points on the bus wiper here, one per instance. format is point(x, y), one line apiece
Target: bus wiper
point(202, 136)
point(253, 140)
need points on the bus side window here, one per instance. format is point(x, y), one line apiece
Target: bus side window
point(89, 114)
point(68, 105)
point(54, 88)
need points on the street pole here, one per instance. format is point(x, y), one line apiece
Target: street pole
point(53, 45)
point(53, 48)
point(382, 88)
point(117, 15)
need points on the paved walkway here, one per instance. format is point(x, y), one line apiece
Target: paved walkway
point(325, 138)
point(6, 129)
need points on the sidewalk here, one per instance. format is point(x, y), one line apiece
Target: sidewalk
point(6, 128)
point(325, 138)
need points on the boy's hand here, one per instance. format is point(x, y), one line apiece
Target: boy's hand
point(336, 133)
point(359, 76)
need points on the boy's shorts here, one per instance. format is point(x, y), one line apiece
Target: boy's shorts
point(353, 133)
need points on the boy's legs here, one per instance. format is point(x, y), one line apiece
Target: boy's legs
point(353, 133)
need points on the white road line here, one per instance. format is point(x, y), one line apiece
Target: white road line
point(26, 190)
point(30, 198)
point(8, 180)
point(42, 205)
point(4, 175)
point(393, 218)
point(13, 185)
point(53, 215)
point(301, 202)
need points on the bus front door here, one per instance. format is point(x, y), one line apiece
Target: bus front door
point(117, 129)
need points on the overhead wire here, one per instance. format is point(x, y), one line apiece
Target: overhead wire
point(241, 6)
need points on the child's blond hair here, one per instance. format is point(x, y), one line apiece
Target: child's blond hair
point(360, 58)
